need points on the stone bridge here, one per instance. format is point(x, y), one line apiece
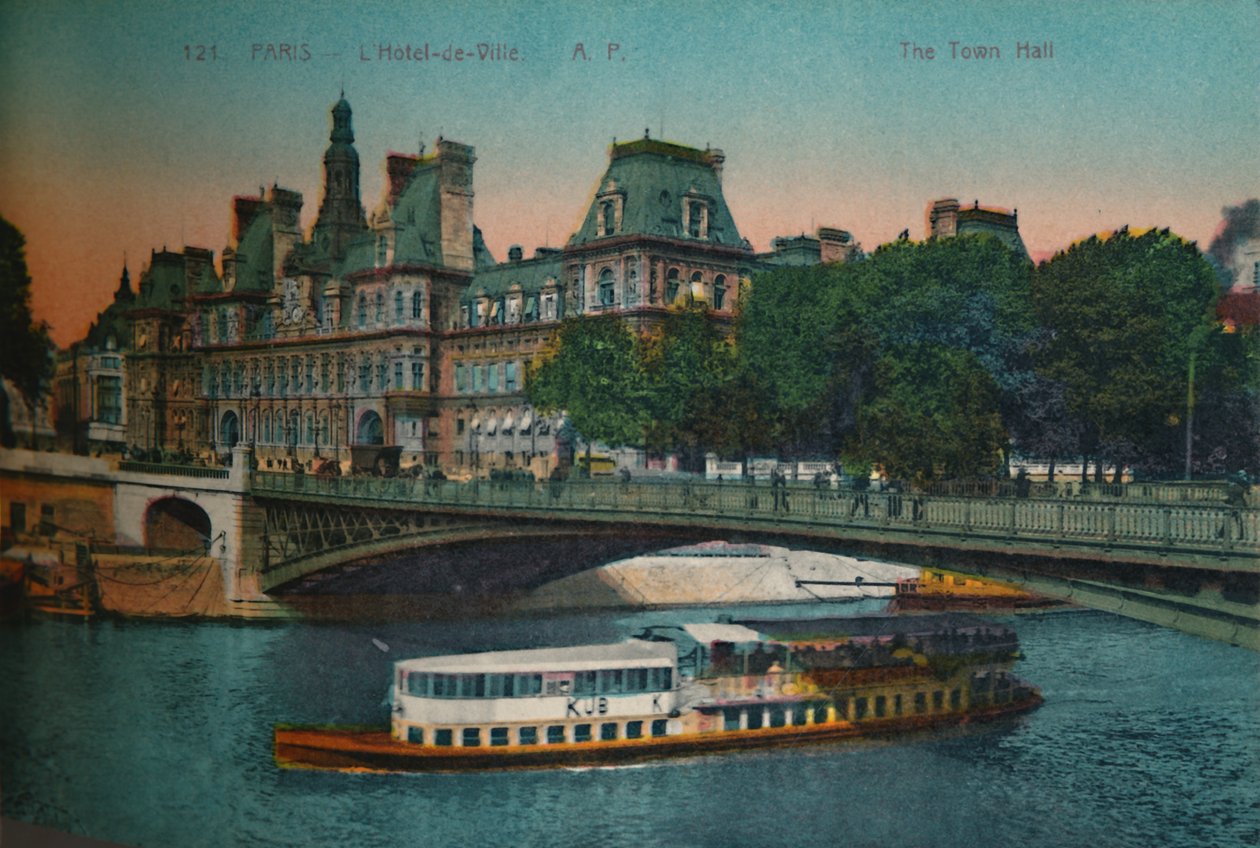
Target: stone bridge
point(1194, 566)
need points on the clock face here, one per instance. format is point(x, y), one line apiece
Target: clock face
point(292, 306)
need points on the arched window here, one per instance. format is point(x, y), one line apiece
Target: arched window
point(380, 307)
point(323, 429)
point(370, 430)
point(266, 427)
point(294, 423)
point(610, 217)
point(362, 310)
point(229, 430)
point(697, 286)
point(693, 219)
point(309, 433)
point(416, 306)
point(398, 307)
point(671, 285)
point(606, 289)
point(719, 291)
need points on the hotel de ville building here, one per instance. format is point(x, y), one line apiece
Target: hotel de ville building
point(398, 328)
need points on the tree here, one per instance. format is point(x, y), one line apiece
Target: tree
point(24, 344)
point(592, 370)
point(932, 410)
point(1123, 316)
point(802, 348)
point(687, 364)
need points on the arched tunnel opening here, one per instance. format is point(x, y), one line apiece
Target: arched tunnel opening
point(176, 524)
point(483, 567)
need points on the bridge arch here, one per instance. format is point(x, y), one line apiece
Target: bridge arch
point(176, 523)
point(370, 430)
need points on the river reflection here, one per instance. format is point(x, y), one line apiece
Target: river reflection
point(160, 734)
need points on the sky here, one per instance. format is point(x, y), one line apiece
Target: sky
point(115, 140)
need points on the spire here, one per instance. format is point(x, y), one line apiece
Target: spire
point(124, 292)
point(341, 213)
point(342, 132)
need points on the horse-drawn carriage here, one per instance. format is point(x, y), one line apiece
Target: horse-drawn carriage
point(377, 460)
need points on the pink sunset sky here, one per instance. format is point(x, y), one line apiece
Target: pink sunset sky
point(115, 141)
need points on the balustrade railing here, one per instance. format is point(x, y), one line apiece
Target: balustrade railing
point(174, 470)
point(1143, 524)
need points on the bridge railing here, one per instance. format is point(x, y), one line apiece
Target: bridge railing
point(1157, 525)
point(175, 470)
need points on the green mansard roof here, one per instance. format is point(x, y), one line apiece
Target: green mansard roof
point(530, 274)
point(652, 178)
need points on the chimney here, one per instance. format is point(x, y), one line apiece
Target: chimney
point(715, 159)
point(943, 218)
point(834, 245)
point(515, 253)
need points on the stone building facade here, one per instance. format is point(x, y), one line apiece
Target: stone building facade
point(397, 328)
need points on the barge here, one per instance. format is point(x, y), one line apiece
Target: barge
point(680, 691)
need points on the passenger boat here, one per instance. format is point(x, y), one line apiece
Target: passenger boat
point(747, 684)
point(56, 578)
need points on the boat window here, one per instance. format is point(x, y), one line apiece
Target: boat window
point(820, 713)
point(634, 729)
point(498, 736)
point(442, 737)
point(660, 727)
point(756, 717)
point(730, 718)
point(608, 731)
point(581, 733)
point(472, 737)
point(527, 736)
point(778, 717)
point(528, 684)
point(798, 715)
point(637, 680)
point(610, 681)
point(472, 685)
point(418, 683)
point(494, 685)
point(896, 705)
point(938, 700)
point(859, 708)
point(920, 702)
point(881, 706)
point(555, 734)
point(445, 686)
point(415, 735)
point(584, 683)
point(955, 699)
point(660, 679)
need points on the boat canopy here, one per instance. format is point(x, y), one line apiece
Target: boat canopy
point(633, 653)
point(707, 634)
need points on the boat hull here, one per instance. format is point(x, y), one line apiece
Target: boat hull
point(357, 750)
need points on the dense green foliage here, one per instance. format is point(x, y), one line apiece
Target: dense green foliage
point(1123, 317)
point(592, 370)
point(24, 344)
point(932, 359)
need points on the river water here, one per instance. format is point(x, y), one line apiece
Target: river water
point(159, 734)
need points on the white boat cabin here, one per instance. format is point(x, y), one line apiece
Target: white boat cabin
point(626, 690)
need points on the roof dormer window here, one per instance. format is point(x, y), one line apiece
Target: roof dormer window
point(611, 205)
point(696, 214)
